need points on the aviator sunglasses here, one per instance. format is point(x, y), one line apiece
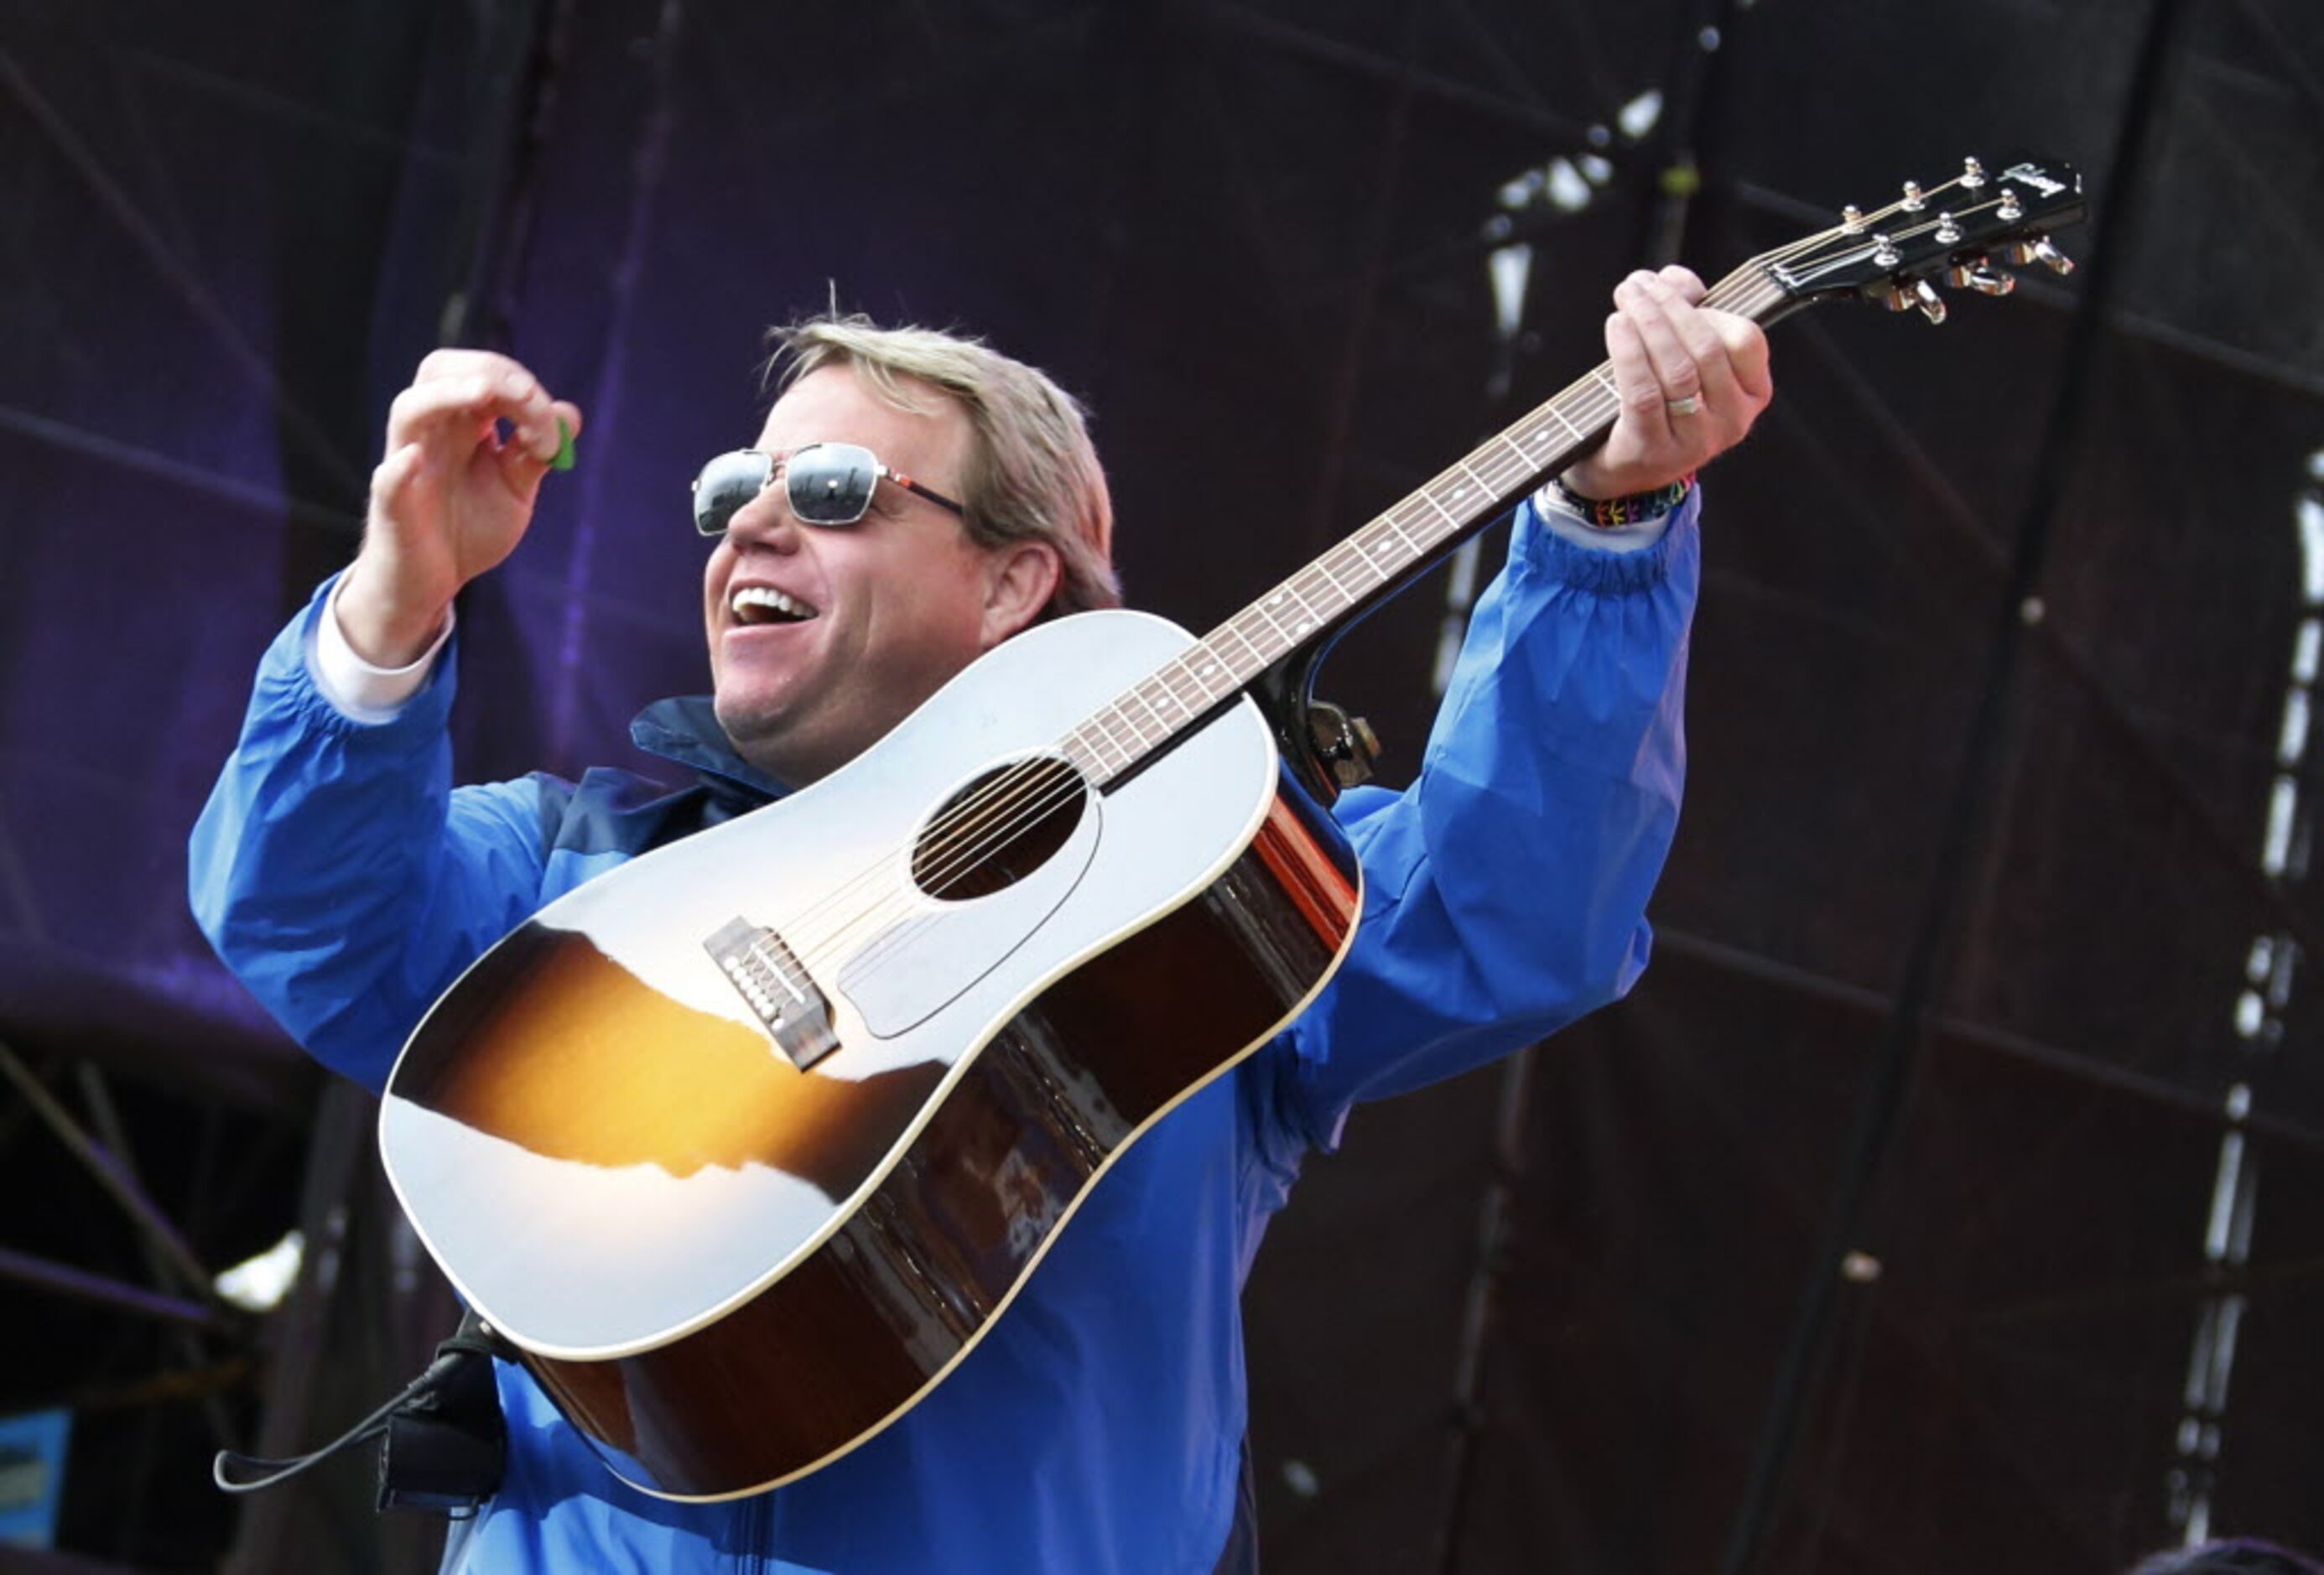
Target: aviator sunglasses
point(827, 483)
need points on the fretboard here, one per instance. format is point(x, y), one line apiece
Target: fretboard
point(1353, 576)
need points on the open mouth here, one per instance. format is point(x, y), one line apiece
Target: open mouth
point(754, 606)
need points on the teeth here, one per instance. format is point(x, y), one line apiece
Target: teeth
point(767, 599)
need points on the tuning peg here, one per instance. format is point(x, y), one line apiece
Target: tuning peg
point(1978, 274)
point(1972, 174)
point(1913, 200)
point(1932, 305)
point(1894, 297)
point(2057, 261)
point(1851, 218)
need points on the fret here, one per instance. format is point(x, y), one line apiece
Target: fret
point(1331, 594)
point(1606, 377)
point(1270, 641)
point(1423, 530)
point(1305, 623)
point(1350, 574)
point(1113, 708)
point(1527, 460)
point(1229, 627)
point(1207, 675)
point(1170, 687)
point(1139, 695)
point(1339, 587)
point(1570, 427)
point(1102, 742)
point(1385, 549)
point(1263, 610)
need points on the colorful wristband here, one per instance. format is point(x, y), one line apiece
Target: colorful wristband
point(1630, 509)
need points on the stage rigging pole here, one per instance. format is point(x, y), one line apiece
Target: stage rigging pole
point(1896, 1056)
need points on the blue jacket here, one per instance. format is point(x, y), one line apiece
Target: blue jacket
point(1098, 1428)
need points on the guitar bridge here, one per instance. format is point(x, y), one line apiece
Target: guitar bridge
point(788, 1004)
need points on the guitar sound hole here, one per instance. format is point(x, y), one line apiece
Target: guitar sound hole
point(999, 829)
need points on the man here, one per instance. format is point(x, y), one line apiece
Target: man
point(1099, 1427)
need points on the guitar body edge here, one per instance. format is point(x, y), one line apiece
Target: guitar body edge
point(843, 1345)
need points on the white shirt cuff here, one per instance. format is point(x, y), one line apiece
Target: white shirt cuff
point(1562, 517)
point(356, 689)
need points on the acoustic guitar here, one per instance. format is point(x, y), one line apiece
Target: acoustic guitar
point(745, 1144)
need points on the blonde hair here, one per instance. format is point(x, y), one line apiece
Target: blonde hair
point(1033, 473)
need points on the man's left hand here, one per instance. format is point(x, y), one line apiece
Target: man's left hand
point(1693, 381)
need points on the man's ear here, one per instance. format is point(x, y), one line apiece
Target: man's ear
point(1022, 578)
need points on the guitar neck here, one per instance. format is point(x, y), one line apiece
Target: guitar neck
point(1315, 605)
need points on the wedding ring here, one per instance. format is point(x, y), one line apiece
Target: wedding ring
point(1689, 406)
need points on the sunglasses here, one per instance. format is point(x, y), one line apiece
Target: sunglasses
point(825, 483)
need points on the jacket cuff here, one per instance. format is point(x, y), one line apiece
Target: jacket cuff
point(1569, 552)
point(341, 699)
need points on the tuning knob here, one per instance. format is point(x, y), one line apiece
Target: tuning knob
point(1932, 304)
point(2057, 261)
point(1894, 298)
point(1990, 282)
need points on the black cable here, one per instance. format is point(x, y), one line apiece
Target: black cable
point(370, 1427)
point(472, 1339)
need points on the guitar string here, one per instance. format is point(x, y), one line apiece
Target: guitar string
point(1751, 279)
point(968, 833)
point(979, 824)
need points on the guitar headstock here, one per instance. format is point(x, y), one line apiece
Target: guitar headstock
point(1967, 231)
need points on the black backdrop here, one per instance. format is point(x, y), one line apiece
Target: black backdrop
point(1255, 237)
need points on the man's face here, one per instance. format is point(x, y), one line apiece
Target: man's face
point(896, 603)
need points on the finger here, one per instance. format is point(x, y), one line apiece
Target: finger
point(1747, 353)
point(462, 412)
point(523, 463)
point(523, 403)
point(1684, 282)
point(528, 407)
point(1647, 302)
point(1723, 396)
point(446, 364)
point(1643, 405)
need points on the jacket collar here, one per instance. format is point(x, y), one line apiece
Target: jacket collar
point(685, 729)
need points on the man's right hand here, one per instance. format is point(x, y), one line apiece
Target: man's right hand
point(450, 501)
